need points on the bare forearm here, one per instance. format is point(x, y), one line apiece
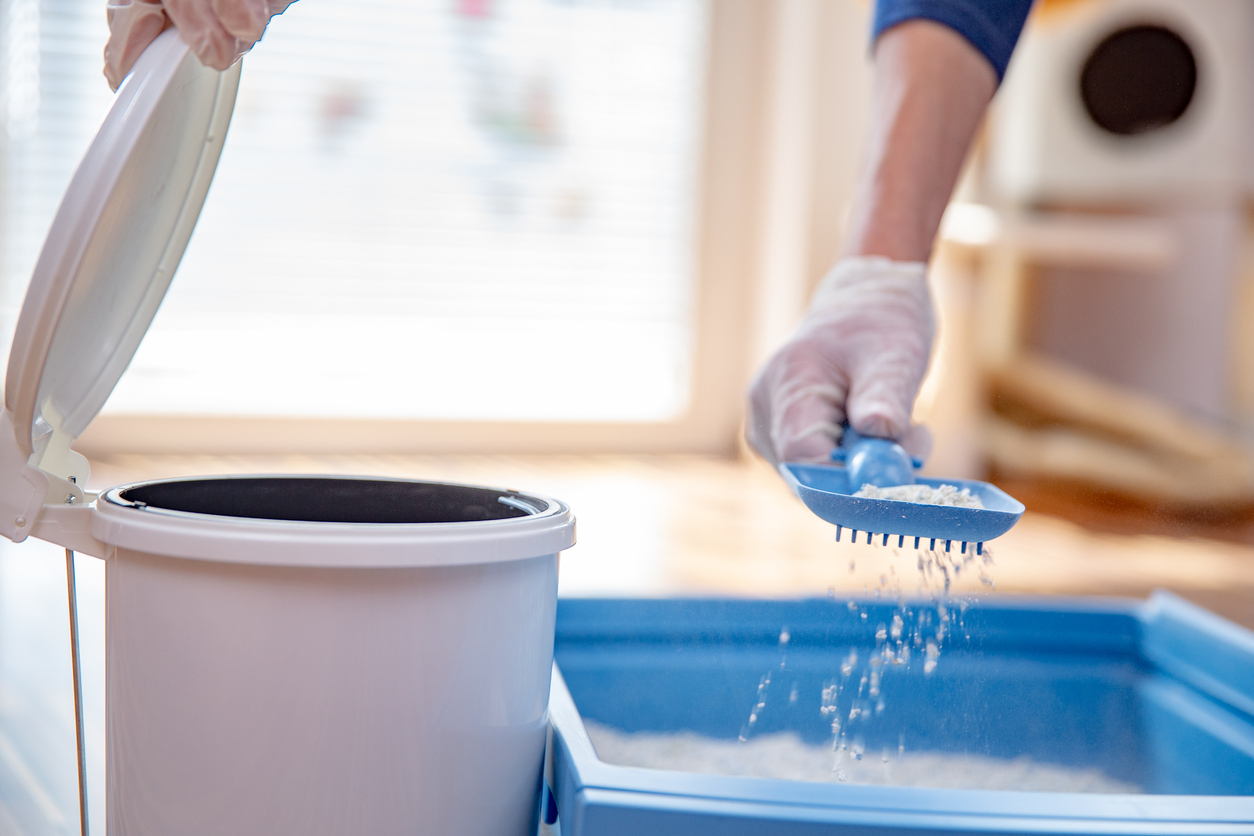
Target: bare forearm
point(931, 90)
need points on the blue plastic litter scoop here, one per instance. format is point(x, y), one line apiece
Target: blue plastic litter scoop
point(828, 491)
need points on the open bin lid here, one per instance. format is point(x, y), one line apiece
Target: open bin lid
point(110, 254)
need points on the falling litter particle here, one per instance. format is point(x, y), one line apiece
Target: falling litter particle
point(924, 494)
point(785, 756)
point(932, 653)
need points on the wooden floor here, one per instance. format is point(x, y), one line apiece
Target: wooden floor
point(667, 525)
point(689, 525)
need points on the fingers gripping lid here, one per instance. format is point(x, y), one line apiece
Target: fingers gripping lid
point(110, 254)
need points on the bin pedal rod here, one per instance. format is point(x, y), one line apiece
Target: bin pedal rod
point(78, 692)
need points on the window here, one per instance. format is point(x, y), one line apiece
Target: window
point(425, 209)
point(469, 224)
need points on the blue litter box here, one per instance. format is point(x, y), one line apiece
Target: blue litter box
point(1158, 695)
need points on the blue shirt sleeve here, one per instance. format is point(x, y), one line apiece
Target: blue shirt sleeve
point(992, 26)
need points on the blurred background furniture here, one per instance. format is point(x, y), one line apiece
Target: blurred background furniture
point(1116, 298)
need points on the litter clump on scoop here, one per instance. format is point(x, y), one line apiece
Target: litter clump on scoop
point(924, 494)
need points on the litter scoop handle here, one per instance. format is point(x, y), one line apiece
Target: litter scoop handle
point(875, 461)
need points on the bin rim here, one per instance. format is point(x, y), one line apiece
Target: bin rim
point(120, 524)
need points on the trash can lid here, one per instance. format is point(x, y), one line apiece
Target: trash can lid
point(113, 247)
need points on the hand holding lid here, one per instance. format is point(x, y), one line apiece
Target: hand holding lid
point(219, 31)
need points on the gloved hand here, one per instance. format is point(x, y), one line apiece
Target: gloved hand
point(859, 355)
point(218, 31)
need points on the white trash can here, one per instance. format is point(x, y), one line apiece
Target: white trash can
point(284, 654)
point(327, 655)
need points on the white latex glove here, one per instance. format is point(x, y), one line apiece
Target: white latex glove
point(218, 31)
point(859, 354)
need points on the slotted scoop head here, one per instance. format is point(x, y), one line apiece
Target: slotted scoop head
point(828, 490)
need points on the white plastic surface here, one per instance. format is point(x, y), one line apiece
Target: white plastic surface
point(349, 545)
point(275, 677)
point(264, 700)
point(113, 247)
point(1045, 148)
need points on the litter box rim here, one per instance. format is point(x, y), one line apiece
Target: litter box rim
point(586, 789)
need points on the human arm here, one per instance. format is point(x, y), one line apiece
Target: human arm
point(219, 31)
point(931, 90)
point(862, 348)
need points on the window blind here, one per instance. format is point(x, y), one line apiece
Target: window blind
point(443, 209)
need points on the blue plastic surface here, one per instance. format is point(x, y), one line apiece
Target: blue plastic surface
point(826, 491)
point(874, 461)
point(1158, 694)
